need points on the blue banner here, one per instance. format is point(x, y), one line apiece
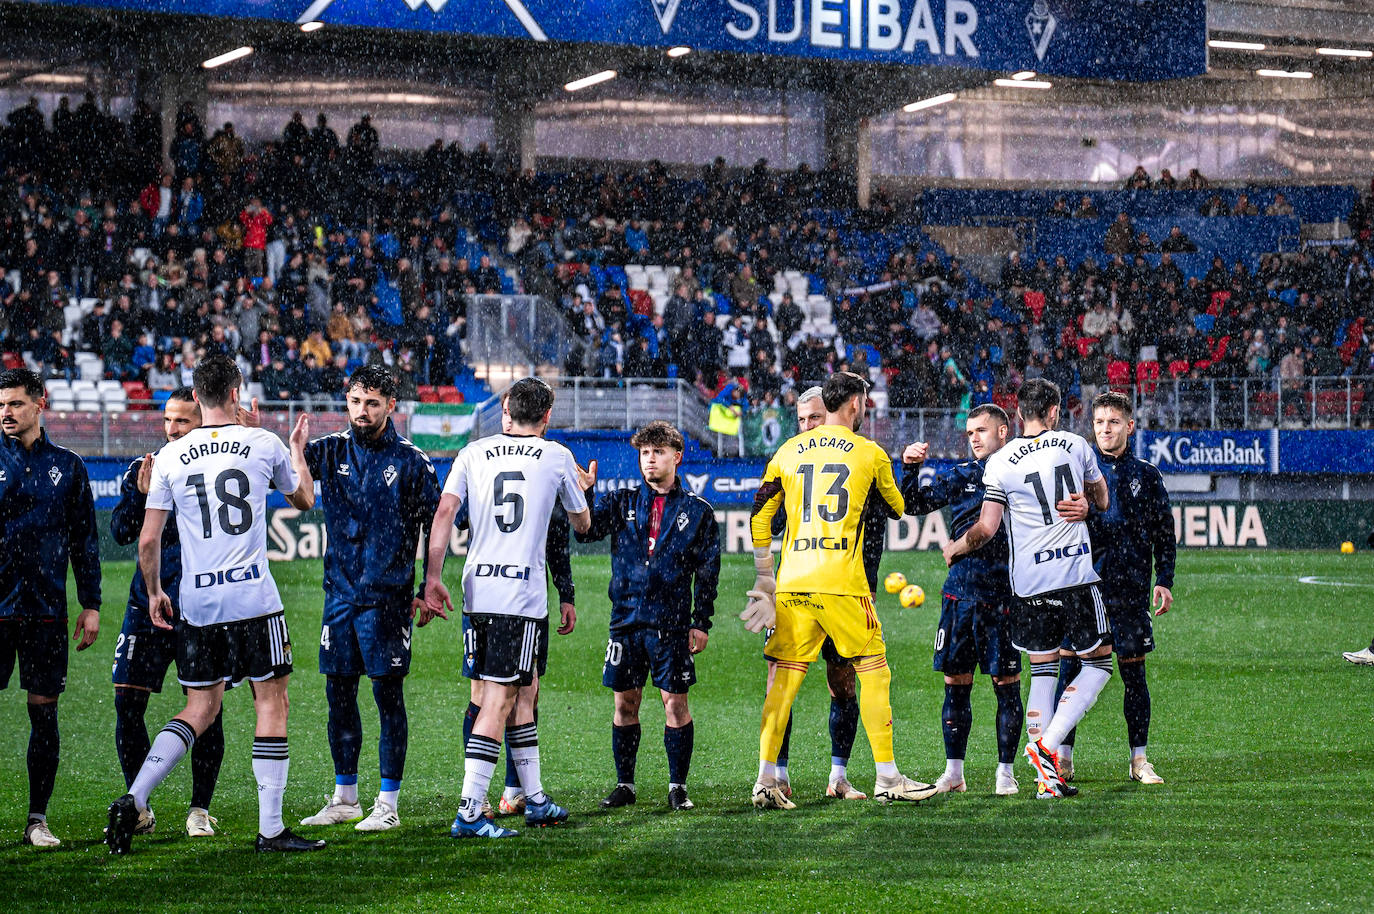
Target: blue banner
point(1210, 451)
point(1338, 451)
point(1104, 39)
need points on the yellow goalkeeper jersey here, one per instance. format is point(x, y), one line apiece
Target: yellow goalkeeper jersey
point(823, 478)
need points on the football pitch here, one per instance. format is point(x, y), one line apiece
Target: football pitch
point(1261, 730)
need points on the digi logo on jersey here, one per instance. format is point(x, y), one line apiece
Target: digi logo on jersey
point(511, 572)
point(1063, 552)
point(806, 544)
point(235, 575)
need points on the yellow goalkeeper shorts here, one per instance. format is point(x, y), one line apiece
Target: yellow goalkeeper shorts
point(805, 620)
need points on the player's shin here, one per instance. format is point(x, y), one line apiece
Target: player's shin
point(844, 727)
point(956, 721)
point(1010, 717)
point(271, 762)
point(44, 746)
point(1040, 705)
point(1079, 697)
point(1069, 668)
point(171, 743)
point(875, 710)
point(345, 729)
point(522, 742)
point(131, 733)
point(625, 750)
point(478, 764)
point(206, 756)
point(777, 710)
point(393, 735)
point(1135, 701)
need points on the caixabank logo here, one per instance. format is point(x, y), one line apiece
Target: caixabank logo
point(1209, 452)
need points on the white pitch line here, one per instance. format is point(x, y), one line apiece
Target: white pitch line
point(518, 8)
point(1313, 579)
point(313, 11)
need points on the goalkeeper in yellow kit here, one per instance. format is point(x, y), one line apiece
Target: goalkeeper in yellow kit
point(823, 477)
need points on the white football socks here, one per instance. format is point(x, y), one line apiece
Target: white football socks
point(171, 743)
point(1078, 698)
point(271, 761)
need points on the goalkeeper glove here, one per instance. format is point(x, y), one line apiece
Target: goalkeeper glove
point(761, 612)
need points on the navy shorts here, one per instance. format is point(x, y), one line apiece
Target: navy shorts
point(828, 652)
point(512, 650)
point(142, 655)
point(1074, 618)
point(1133, 633)
point(974, 635)
point(40, 645)
point(371, 640)
point(665, 658)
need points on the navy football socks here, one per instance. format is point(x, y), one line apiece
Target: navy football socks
point(1069, 668)
point(44, 745)
point(131, 732)
point(394, 727)
point(345, 724)
point(678, 743)
point(206, 755)
point(844, 727)
point(1135, 703)
point(625, 749)
point(957, 719)
point(1011, 716)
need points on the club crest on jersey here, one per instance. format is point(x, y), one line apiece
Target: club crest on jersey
point(1135, 486)
point(630, 514)
point(3, 476)
point(682, 521)
point(390, 474)
point(55, 475)
point(343, 469)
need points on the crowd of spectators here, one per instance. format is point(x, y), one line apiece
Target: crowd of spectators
point(299, 260)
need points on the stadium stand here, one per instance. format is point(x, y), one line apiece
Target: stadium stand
point(309, 256)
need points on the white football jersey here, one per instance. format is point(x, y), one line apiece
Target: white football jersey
point(1028, 476)
point(216, 479)
point(511, 485)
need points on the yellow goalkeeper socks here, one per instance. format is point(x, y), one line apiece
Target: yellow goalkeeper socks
point(777, 707)
point(875, 705)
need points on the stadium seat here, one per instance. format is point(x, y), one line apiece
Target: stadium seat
point(1264, 404)
point(1178, 368)
point(1085, 344)
point(428, 393)
point(641, 302)
point(450, 395)
point(12, 361)
point(1119, 374)
point(1147, 376)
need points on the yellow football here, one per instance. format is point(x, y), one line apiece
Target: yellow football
point(894, 582)
point(1347, 547)
point(912, 596)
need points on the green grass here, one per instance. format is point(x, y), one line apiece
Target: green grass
point(1261, 730)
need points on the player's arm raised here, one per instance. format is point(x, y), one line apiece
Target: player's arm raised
point(586, 479)
point(303, 498)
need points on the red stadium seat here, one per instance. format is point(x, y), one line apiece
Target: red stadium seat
point(1178, 368)
point(1147, 376)
point(13, 360)
point(1085, 343)
point(641, 302)
point(1119, 374)
point(1007, 401)
point(450, 395)
point(1265, 404)
point(1202, 364)
point(428, 393)
point(1331, 404)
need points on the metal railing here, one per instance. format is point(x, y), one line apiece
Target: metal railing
point(627, 404)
